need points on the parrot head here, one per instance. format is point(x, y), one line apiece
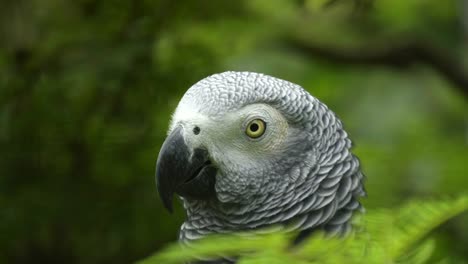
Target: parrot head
point(251, 144)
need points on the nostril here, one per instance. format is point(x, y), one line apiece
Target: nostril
point(196, 130)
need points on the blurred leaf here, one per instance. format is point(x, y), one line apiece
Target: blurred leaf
point(389, 236)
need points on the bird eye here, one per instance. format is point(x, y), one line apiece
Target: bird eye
point(255, 128)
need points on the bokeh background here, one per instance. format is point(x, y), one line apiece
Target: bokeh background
point(87, 88)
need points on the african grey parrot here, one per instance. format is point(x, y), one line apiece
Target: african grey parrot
point(246, 150)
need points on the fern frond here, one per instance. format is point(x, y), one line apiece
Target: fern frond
point(421, 254)
point(219, 246)
point(399, 230)
point(386, 236)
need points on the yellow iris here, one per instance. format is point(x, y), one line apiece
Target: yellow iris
point(256, 128)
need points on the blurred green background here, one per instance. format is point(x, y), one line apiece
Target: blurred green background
point(87, 89)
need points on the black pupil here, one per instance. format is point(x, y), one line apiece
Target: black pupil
point(254, 127)
point(196, 130)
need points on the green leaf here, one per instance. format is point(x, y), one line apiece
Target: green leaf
point(421, 255)
point(400, 230)
point(383, 236)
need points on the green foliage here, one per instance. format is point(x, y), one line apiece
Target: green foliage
point(381, 236)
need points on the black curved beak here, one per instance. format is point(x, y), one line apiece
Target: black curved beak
point(187, 173)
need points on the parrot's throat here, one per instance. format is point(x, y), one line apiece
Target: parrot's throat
point(318, 196)
point(311, 212)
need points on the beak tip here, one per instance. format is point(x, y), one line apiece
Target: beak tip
point(168, 205)
point(166, 198)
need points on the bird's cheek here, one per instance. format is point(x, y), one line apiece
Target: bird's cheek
point(238, 187)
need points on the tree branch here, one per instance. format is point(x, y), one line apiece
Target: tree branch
point(399, 55)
